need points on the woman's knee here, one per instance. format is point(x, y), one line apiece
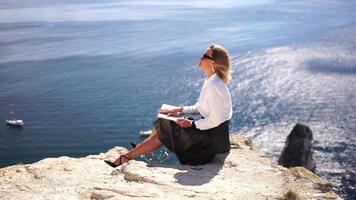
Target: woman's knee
point(156, 140)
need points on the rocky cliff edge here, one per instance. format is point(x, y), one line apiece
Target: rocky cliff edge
point(244, 173)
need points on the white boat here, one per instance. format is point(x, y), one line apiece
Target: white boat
point(14, 122)
point(145, 133)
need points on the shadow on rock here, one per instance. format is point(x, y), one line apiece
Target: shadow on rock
point(200, 174)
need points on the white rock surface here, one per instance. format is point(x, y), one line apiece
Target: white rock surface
point(244, 173)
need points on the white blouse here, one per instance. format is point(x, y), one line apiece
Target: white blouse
point(214, 104)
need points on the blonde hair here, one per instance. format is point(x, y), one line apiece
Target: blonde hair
point(222, 62)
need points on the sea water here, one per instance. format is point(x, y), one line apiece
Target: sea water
point(86, 76)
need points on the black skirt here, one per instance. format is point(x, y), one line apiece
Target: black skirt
point(191, 145)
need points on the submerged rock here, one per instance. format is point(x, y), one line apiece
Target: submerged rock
point(244, 173)
point(297, 150)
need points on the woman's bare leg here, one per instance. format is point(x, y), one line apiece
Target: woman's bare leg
point(154, 133)
point(146, 147)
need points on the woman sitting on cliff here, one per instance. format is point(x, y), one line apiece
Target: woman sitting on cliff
point(195, 142)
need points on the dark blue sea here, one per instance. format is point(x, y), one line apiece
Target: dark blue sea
point(86, 76)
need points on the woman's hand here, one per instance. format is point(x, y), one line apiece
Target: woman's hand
point(171, 112)
point(184, 123)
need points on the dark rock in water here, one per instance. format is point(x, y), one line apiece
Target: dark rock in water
point(297, 150)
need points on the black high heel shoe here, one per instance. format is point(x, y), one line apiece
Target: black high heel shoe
point(111, 164)
point(133, 145)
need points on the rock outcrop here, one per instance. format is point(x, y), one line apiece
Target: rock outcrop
point(297, 150)
point(244, 173)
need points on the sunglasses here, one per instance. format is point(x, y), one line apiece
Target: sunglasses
point(207, 57)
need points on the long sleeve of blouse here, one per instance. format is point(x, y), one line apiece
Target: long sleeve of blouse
point(214, 104)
